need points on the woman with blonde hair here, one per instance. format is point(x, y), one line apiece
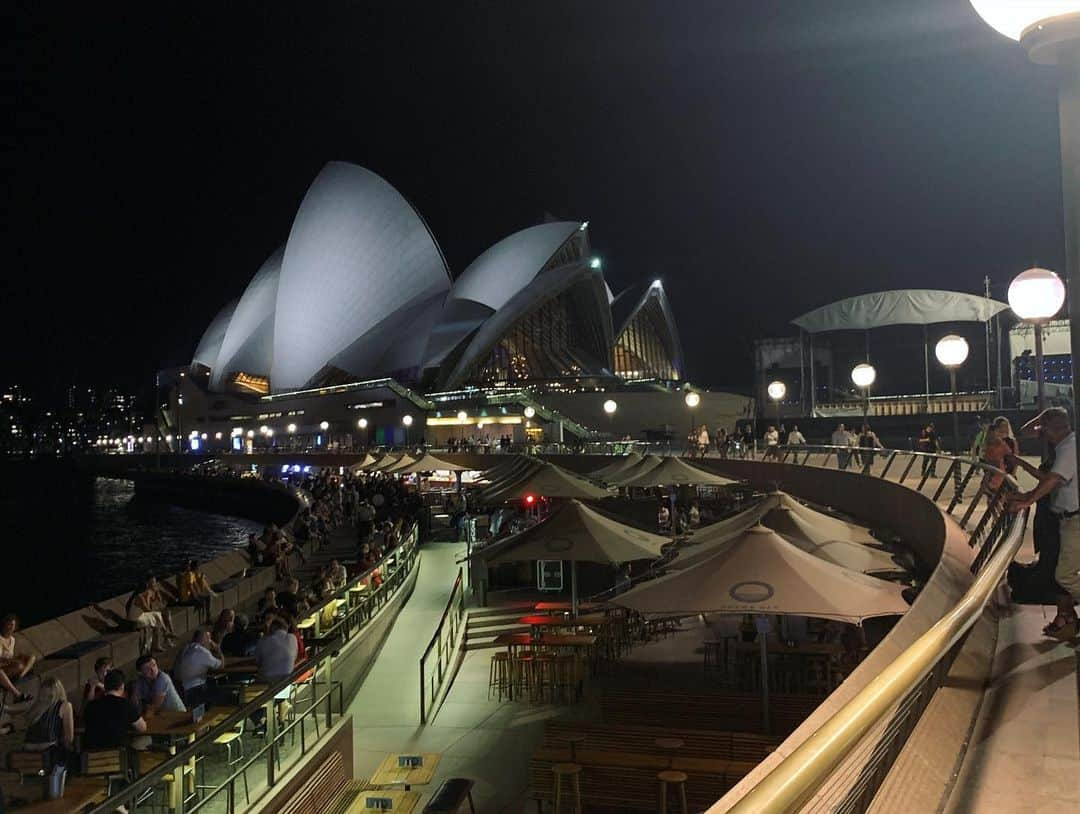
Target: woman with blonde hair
point(1000, 445)
point(52, 723)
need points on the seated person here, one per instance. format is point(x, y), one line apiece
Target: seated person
point(95, 685)
point(52, 724)
point(240, 641)
point(111, 719)
point(198, 657)
point(141, 609)
point(154, 690)
point(12, 666)
point(269, 602)
point(275, 654)
point(224, 625)
point(338, 575)
point(289, 599)
point(255, 549)
point(195, 588)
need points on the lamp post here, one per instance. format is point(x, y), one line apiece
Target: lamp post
point(407, 421)
point(952, 351)
point(777, 390)
point(1050, 33)
point(862, 376)
point(609, 408)
point(692, 400)
point(462, 417)
point(1035, 296)
point(362, 424)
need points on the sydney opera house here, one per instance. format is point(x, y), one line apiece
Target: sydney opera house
point(360, 298)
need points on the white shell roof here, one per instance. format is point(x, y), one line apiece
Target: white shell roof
point(248, 344)
point(357, 252)
point(210, 345)
point(511, 264)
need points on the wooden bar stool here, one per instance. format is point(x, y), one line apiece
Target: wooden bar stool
point(499, 674)
point(677, 779)
point(573, 771)
point(524, 675)
point(566, 678)
point(545, 674)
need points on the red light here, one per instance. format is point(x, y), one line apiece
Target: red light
point(530, 499)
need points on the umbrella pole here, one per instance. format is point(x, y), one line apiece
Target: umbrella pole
point(764, 683)
point(573, 588)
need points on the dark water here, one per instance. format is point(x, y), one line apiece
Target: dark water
point(68, 540)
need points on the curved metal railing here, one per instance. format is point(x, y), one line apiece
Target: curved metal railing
point(900, 692)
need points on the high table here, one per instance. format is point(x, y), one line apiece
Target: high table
point(402, 802)
point(541, 607)
point(390, 773)
point(177, 727)
point(79, 792)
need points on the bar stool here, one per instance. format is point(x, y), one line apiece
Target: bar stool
point(544, 686)
point(574, 738)
point(524, 675)
point(566, 678)
point(499, 674)
point(676, 779)
point(670, 746)
point(571, 770)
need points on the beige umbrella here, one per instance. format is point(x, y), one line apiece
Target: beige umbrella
point(797, 529)
point(759, 572)
point(616, 467)
point(646, 463)
point(675, 471)
point(401, 463)
point(384, 463)
point(575, 532)
point(707, 541)
point(506, 468)
point(835, 528)
point(545, 480)
point(369, 459)
point(429, 463)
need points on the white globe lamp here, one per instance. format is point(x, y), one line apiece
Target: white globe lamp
point(692, 399)
point(362, 423)
point(610, 407)
point(776, 390)
point(951, 351)
point(1036, 294)
point(863, 375)
point(529, 411)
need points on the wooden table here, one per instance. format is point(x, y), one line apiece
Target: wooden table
point(390, 774)
point(566, 606)
point(403, 802)
point(748, 653)
point(176, 727)
point(240, 664)
point(79, 792)
point(539, 621)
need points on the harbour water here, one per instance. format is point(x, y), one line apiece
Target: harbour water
point(69, 540)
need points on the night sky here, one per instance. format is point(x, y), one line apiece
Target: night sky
point(763, 158)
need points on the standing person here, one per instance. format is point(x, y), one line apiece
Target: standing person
point(841, 440)
point(721, 442)
point(1060, 482)
point(867, 443)
point(796, 438)
point(928, 443)
point(998, 449)
point(772, 438)
point(703, 440)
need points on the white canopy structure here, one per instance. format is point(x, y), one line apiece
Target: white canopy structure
point(384, 463)
point(369, 459)
point(800, 531)
point(760, 572)
point(543, 480)
point(400, 464)
point(908, 306)
point(616, 467)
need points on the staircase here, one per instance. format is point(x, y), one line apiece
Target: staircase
point(484, 624)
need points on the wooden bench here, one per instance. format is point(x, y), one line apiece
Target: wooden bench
point(328, 791)
point(628, 780)
point(742, 746)
point(703, 710)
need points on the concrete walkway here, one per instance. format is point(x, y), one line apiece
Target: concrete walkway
point(487, 741)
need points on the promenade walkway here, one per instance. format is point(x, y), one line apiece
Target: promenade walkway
point(487, 741)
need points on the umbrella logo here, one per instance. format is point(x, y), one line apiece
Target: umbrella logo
point(751, 591)
point(558, 544)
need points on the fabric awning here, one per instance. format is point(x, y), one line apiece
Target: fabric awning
point(706, 541)
point(575, 532)
point(544, 480)
point(800, 531)
point(401, 463)
point(909, 306)
point(618, 466)
point(675, 471)
point(759, 572)
point(369, 459)
point(384, 463)
point(429, 463)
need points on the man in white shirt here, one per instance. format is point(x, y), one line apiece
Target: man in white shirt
point(275, 654)
point(1053, 425)
point(795, 438)
point(840, 438)
point(194, 662)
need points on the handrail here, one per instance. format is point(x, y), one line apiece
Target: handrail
point(454, 602)
point(793, 781)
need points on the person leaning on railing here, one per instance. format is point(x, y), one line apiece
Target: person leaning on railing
point(1054, 426)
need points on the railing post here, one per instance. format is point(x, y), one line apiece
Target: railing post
point(271, 738)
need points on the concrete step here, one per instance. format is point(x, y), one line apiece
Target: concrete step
point(515, 611)
point(493, 621)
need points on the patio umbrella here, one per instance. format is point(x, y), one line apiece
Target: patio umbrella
point(646, 463)
point(400, 464)
point(675, 471)
point(835, 528)
point(369, 459)
point(707, 541)
point(384, 463)
point(759, 572)
point(505, 468)
point(616, 467)
point(577, 533)
point(429, 463)
point(547, 480)
point(798, 529)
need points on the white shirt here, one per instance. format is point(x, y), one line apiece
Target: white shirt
point(796, 437)
point(275, 655)
point(1065, 497)
point(772, 438)
point(840, 438)
point(193, 664)
point(7, 647)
